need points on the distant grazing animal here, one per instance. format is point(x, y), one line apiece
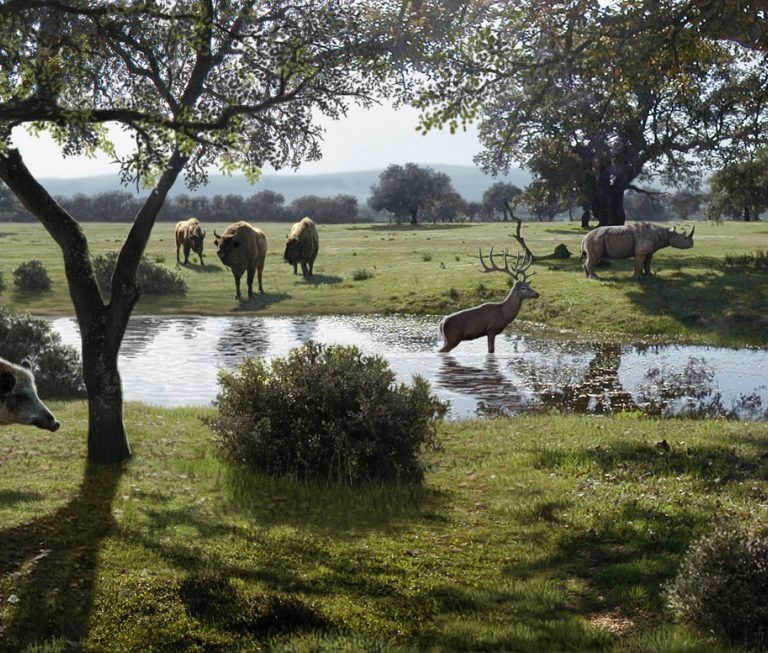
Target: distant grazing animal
point(640, 240)
point(19, 403)
point(302, 245)
point(242, 247)
point(190, 235)
point(491, 318)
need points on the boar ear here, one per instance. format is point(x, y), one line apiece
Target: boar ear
point(26, 364)
point(7, 381)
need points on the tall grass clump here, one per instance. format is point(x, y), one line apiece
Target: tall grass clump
point(57, 368)
point(2, 282)
point(757, 260)
point(153, 279)
point(722, 586)
point(326, 413)
point(32, 277)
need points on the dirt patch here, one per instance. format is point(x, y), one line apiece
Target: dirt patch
point(613, 621)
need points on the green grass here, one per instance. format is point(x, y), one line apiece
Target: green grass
point(540, 533)
point(694, 296)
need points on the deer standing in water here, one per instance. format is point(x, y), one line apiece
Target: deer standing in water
point(491, 318)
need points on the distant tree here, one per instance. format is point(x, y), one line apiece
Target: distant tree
point(648, 205)
point(342, 208)
point(265, 206)
point(407, 190)
point(740, 190)
point(448, 207)
point(686, 203)
point(234, 83)
point(496, 198)
point(543, 202)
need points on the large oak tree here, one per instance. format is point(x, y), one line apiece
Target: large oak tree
point(232, 83)
point(593, 96)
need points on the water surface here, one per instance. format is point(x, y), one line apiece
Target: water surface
point(173, 361)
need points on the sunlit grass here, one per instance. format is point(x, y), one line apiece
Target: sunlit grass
point(694, 295)
point(539, 533)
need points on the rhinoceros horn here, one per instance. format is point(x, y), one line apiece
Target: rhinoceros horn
point(693, 228)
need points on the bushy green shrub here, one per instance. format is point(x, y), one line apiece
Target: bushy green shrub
point(153, 279)
point(722, 586)
point(362, 275)
point(32, 276)
point(57, 368)
point(326, 412)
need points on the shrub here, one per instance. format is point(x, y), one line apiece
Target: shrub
point(57, 367)
point(2, 282)
point(326, 412)
point(757, 260)
point(153, 279)
point(362, 275)
point(722, 585)
point(32, 276)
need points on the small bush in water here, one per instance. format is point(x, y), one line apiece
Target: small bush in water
point(326, 412)
point(722, 586)
point(153, 279)
point(57, 367)
point(32, 276)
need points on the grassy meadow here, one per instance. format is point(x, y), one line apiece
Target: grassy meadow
point(536, 533)
point(694, 296)
point(541, 533)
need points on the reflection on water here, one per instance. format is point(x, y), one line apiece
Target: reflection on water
point(175, 360)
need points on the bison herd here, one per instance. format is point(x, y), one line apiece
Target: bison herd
point(243, 247)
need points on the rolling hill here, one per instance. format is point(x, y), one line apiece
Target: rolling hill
point(469, 181)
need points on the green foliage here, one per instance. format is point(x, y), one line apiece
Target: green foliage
point(56, 366)
point(326, 412)
point(739, 191)
point(32, 277)
point(722, 585)
point(154, 279)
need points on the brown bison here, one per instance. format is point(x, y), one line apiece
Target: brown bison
point(302, 246)
point(640, 240)
point(242, 247)
point(19, 403)
point(190, 235)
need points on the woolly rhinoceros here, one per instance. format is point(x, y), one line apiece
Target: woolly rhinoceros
point(640, 240)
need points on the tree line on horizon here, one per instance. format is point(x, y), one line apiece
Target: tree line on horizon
point(403, 193)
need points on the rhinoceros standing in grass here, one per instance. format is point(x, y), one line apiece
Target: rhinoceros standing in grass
point(640, 240)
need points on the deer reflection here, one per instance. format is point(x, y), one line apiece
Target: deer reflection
point(495, 393)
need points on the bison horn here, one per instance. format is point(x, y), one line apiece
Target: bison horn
point(215, 234)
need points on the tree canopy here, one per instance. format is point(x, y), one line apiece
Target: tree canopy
point(407, 190)
point(595, 96)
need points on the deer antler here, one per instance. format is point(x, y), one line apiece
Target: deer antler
point(518, 270)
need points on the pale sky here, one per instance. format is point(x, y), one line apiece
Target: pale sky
point(364, 140)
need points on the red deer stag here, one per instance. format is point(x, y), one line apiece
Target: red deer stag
point(491, 318)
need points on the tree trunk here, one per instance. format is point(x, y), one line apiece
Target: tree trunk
point(607, 203)
point(414, 216)
point(585, 217)
point(107, 437)
point(102, 326)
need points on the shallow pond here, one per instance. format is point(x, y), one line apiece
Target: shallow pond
point(172, 361)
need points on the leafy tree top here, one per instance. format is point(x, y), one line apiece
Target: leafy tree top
point(237, 83)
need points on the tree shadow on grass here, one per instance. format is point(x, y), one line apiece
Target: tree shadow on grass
point(206, 267)
point(260, 302)
point(11, 497)
point(728, 301)
point(50, 564)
